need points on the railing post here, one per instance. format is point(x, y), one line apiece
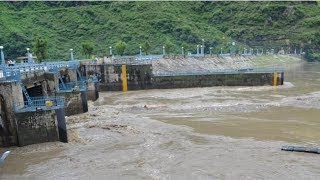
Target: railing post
point(71, 55)
point(29, 56)
point(3, 62)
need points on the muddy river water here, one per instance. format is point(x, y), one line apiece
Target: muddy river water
point(195, 133)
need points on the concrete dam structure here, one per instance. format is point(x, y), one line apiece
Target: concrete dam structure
point(182, 72)
point(35, 98)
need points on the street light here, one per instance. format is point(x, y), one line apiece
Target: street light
point(140, 51)
point(163, 50)
point(210, 51)
point(71, 55)
point(3, 63)
point(202, 48)
point(202, 53)
point(233, 48)
point(110, 51)
point(197, 49)
point(29, 56)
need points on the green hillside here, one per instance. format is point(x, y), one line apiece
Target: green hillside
point(65, 25)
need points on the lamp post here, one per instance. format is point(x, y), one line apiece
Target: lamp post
point(202, 47)
point(197, 49)
point(71, 55)
point(163, 50)
point(3, 63)
point(110, 51)
point(220, 50)
point(140, 51)
point(233, 49)
point(210, 51)
point(29, 55)
point(182, 50)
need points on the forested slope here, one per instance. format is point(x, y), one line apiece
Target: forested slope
point(65, 25)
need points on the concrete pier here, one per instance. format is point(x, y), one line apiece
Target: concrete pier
point(9, 92)
point(75, 102)
point(36, 127)
point(44, 120)
point(93, 90)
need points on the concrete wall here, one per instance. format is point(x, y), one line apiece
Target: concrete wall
point(93, 91)
point(252, 79)
point(10, 92)
point(36, 127)
point(139, 77)
point(75, 102)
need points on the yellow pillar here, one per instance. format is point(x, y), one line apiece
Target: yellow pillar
point(124, 78)
point(275, 78)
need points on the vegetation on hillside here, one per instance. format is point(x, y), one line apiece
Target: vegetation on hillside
point(70, 24)
point(40, 49)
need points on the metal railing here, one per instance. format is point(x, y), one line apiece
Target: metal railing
point(222, 71)
point(148, 57)
point(40, 103)
point(143, 59)
point(14, 72)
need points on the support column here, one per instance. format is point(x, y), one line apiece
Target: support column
point(124, 78)
point(275, 78)
point(62, 127)
point(84, 100)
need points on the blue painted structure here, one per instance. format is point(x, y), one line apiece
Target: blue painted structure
point(40, 103)
point(13, 74)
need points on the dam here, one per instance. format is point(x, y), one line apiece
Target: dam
point(36, 98)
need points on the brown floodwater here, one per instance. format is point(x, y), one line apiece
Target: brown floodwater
point(194, 133)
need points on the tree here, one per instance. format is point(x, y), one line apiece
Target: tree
point(120, 47)
point(146, 47)
point(312, 49)
point(168, 46)
point(40, 49)
point(87, 49)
